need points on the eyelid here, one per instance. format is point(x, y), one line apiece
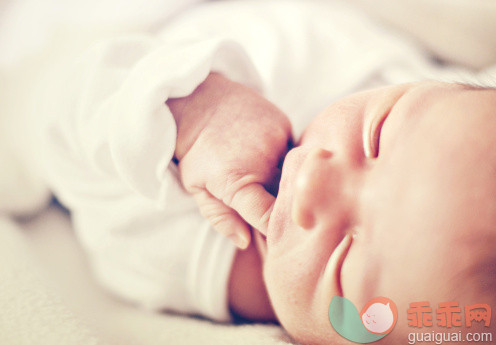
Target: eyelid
point(374, 120)
point(372, 132)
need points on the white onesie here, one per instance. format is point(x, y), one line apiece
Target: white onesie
point(109, 137)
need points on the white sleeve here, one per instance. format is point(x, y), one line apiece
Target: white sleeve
point(108, 143)
point(112, 106)
point(308, 53)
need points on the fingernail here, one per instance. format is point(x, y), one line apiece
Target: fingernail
point(239, 240)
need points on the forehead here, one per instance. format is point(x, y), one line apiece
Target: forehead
point(432, 99)
point(328, 127)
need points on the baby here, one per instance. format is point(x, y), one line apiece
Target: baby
point(384, 187)
point(119, 159)
point(390, 193)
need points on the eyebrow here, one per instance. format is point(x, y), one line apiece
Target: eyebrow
point(476, 87)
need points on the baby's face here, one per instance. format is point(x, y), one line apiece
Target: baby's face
point(391, 192)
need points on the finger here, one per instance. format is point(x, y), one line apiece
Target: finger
point(224, 219)
point(254, 204)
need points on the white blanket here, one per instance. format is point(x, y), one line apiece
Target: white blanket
point(48, 296)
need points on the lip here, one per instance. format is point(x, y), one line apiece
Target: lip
point(261, 244)
point(277, 223)
point(280, 218)
point(274, 233)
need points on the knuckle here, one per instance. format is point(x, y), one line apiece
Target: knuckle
point(237, 184)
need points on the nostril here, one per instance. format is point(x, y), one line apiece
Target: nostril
point(303, 217)
point(321, 153)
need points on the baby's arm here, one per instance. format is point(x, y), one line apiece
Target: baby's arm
point(223, 128)
point(247, 292)
point(109, 139)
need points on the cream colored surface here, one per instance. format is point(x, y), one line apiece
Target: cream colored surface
point(456, 31)
point(48, 297)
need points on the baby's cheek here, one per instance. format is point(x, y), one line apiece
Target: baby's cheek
point(291, 311)
point(283, 297)
point(291, 287)
point(358, 278)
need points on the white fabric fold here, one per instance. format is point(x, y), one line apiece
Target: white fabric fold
point(109, 141)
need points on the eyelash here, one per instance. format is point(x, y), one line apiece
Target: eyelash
point(373, 124)
point(373, 136)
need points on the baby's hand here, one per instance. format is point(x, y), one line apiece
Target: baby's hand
point(230, 142)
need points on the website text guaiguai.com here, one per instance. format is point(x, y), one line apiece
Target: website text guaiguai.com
point(449, 337)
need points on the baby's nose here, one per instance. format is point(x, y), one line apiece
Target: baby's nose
point(318, 189)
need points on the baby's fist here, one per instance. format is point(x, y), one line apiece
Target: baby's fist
point(230, 142)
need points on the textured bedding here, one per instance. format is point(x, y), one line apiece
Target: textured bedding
point(48, 296)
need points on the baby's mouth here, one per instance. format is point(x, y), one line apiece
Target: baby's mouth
point(261, 244)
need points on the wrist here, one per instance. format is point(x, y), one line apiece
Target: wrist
point(248, 297)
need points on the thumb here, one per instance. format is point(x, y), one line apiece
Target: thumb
point(224, 219)
point(254, 204)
